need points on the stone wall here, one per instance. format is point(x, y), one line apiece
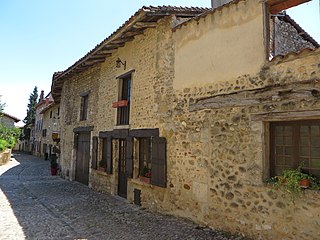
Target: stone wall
point(5, 156)
point(218, 151)
point(287, 39)
point(87, 81)
point(216, 124)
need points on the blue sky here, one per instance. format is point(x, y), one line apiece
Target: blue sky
point(39, 37)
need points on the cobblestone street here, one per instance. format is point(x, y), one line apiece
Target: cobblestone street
point(35, 205)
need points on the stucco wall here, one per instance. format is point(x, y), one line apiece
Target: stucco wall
point(221, 46)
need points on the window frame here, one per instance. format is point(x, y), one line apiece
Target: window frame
point(296, 145)
point(84, 105)
point(124, 93)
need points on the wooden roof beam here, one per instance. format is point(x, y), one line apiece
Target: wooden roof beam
point(145, 25)
point(277, 6)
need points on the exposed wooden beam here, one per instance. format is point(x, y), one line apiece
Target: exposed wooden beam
point(145, 25)
point(266, 95)
point(277, 6)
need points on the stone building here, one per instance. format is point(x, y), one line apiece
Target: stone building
point(50, 129)
point(8, 120)
point(39, 146)
point(182, 111)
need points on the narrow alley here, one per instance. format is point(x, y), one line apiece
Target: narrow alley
point(35, 205)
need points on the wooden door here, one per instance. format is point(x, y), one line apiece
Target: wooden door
point(125, 165)
point(83, 157)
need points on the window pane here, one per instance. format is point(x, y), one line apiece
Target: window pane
point(279, 131)
point(304, 151)
point(289, 161)
point(279, 140)
point(315, 141)
point(304, 162)
point(315, 152)
point(315, 130)
point(280, 160)
point(304, 141)
point(288, 140)
point(288, 131)
point(279, 150)
point(288, 150)
point(315, 163)
point(304, 130)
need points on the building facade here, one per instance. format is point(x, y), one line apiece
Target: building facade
point(187, 111)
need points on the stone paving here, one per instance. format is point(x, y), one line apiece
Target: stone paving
point(35, 205)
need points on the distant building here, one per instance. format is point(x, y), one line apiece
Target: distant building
point(8, 120)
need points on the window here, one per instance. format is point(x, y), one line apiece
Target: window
point(44, 132)
point(152, 160)
point(145, 157)
point(105, 164)
point(84, 107)
point(94, 154)
point(58, 113)
point(123, 111)
point(293, 144)
point(50, 114)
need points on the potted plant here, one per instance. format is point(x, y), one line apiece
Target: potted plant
point(145, 175)
point(292, 181)
point(54, 165)
point(102, 166)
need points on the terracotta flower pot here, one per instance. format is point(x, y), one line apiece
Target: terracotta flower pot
point(145, 179)
point(305, 183)
point(115, 104)
point(122, 103)
point(54, 171)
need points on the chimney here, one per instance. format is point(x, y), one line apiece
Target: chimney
point(41, 96)
point(219, 3)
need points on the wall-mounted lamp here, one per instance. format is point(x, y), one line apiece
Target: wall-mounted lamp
point(119, 63)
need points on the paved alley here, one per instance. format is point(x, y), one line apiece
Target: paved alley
point(35, 205)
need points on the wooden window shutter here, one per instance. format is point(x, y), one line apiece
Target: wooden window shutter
point(158, 162)
point(109, 154)
point(129, 157)
point(75, 140)
point(94, 152)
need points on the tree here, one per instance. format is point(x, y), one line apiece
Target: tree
point(8, 135)
point(2, 105)
point(30, 119)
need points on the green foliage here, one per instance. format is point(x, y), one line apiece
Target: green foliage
point(2, 105)
point(3, 145)
point(289, 181)
point(8, 136)
point(31, 114)
point(102, 164)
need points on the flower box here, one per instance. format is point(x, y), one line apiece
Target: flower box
point(121, 103)
point(102, 169)
point(305, 183)
point(55, 136)
point(145, 179)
